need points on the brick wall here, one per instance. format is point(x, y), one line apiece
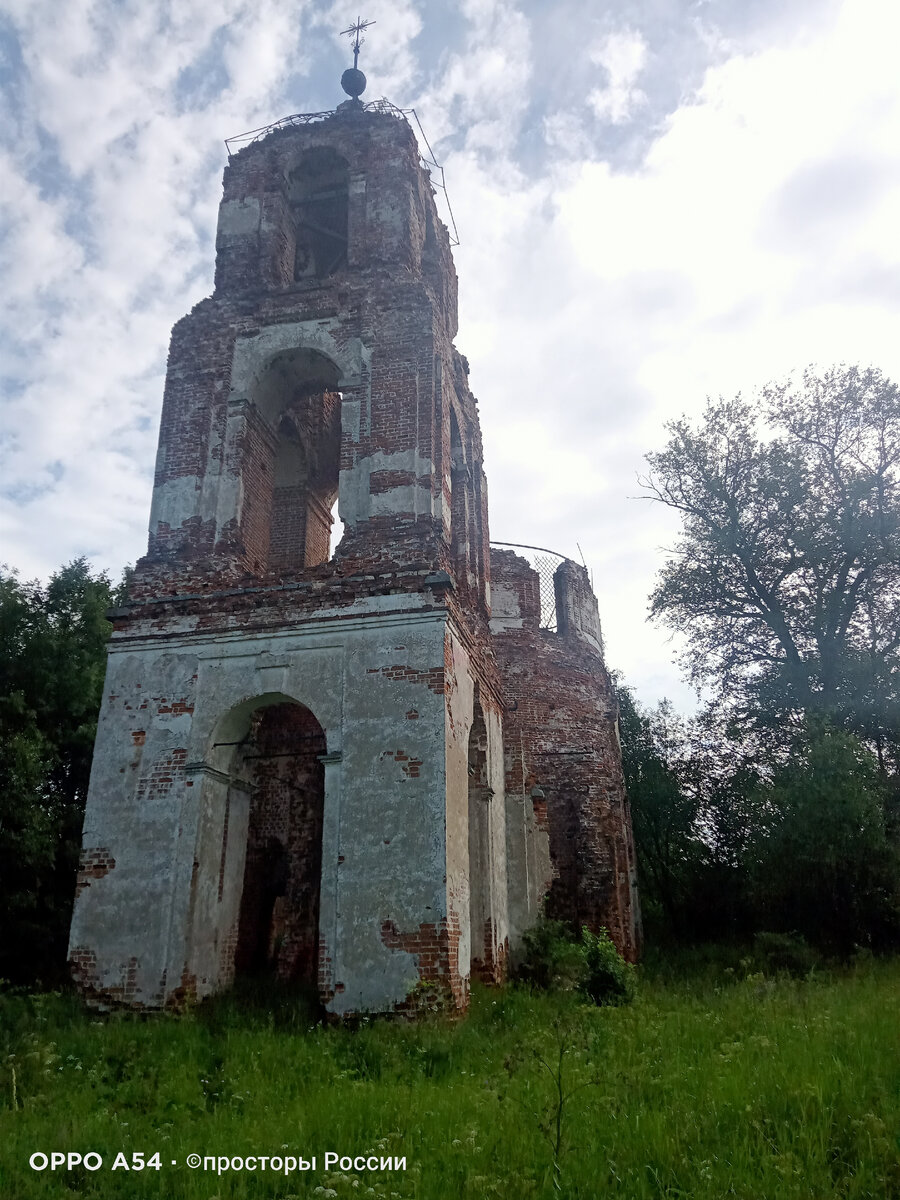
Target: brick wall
point(561, 710)
point(396, 294)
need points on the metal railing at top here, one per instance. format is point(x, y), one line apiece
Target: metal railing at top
point(240, 140)
point(428, 162)
point(545, 563)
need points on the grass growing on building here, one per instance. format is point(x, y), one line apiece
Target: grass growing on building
point(708, 1085)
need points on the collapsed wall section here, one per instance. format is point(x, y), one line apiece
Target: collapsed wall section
point(563, 755)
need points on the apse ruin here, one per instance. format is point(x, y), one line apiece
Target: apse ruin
point(362, 762)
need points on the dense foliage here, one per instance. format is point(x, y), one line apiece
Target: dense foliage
point(553, 958)
point(52, 661)
point(730, 843)
point(818, 856)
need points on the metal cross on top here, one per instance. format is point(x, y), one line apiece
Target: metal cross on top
point(358, 41)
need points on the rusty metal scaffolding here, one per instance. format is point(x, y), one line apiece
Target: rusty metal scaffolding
point(545, 563)
point(435, 171)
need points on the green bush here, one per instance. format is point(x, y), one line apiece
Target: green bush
point(552, 960)
point(787, 952)
point(549, 959)
point(607, 978)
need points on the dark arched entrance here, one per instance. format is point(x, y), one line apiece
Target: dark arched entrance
point(279, 912)
point(480, 859)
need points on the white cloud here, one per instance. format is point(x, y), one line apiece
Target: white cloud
point(622, 55)
point(482, 90)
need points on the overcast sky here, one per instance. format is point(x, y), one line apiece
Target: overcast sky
point(656, 201)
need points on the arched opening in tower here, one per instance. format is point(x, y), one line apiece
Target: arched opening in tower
point(319, 199)
point(459, 509)
point(480, 858)
point(299, 405)
point(278, 923)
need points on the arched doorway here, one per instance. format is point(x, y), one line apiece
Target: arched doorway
point(279, 761)
point(481, 931)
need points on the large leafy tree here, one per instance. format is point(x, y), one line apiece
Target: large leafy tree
point(785, 579)
point(52, 661)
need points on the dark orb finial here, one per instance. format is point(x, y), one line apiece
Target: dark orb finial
point(353, 82)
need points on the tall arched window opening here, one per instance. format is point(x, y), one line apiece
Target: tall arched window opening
point(459, 507)
point(299, 407)
point(319, 197)
point(481, 794)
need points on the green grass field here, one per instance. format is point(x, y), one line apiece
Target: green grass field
point(707, 1086)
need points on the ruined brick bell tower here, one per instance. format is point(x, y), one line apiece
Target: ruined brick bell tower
point(299, 763)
